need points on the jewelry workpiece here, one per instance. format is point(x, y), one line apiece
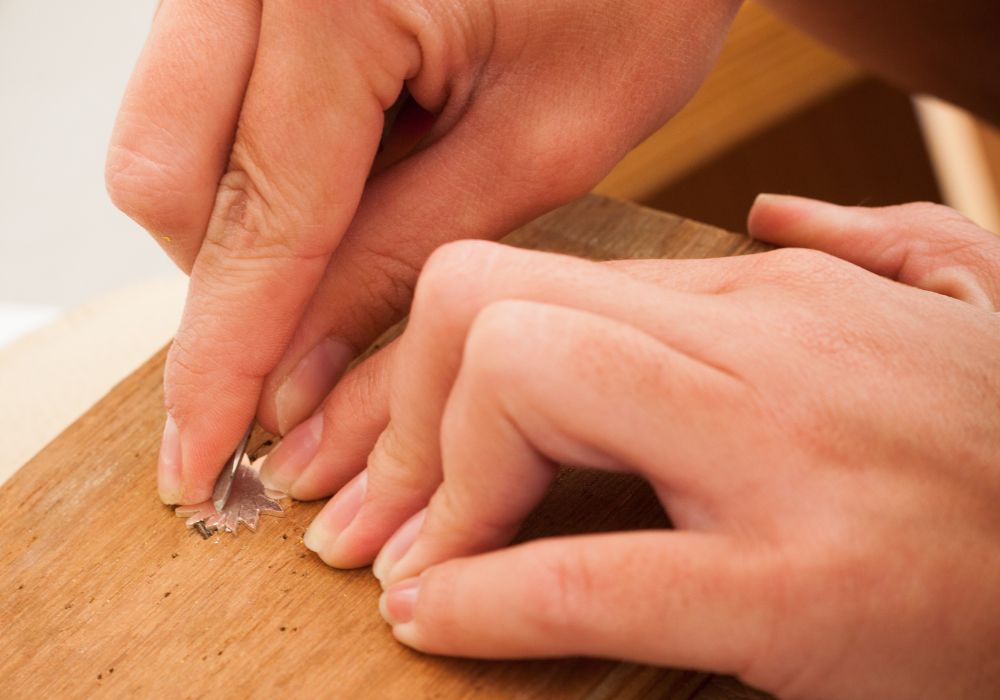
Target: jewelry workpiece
point(247, 500)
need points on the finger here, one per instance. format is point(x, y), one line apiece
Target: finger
point(281, 209)
point(521, 135)
point(317, 456)
point(325, 451)
point(324, 463)
point(683, 600)
point(482, 179)
point(528, 397)
point(459, 281)
point(928, 246)
point(176, 122)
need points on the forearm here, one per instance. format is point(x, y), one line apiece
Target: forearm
point(948, 48)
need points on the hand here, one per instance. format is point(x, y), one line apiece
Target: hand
point(839, 537)
point(248, 131)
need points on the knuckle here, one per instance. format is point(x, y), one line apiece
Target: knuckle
point(145, 189)
point(183, 359)
point(183, 374)
point(450, 515)
point(800, 258)
point(806, 265)
point(264, 212)
point(457, 257)
point(934, 214)
point(248, 228)
point(196, 355)
point(457, 511)
point(555, 160)
point(951, 232)
point(240, 207)
point(499, 341)
point(962, 237)
point(957, 235)
point(443, 39)
point(451, 277)
point(408, 27)
point(946, 240)
point(567, 584)
point(391, 465)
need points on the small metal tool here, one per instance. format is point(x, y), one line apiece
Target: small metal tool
point(224, 484)
point(238, 497)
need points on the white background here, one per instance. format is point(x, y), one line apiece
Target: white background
point(63, 68)
point(68, 259)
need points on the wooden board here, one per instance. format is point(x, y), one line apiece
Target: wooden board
point(104, 593)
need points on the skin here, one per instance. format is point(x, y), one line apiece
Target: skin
point(808, 532)
point(268, 207)
point(512, 113)
point(274, 219)
point(941, 47)
point(838, 540)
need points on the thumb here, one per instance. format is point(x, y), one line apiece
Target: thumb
point(678, 599)
point(924, 245)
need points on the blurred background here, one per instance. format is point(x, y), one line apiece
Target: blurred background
point(86, 297)
point(84, 294)
point(63, 69)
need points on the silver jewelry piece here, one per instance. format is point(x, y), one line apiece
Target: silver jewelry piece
point(247, 500)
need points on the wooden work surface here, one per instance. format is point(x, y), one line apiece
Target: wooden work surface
point(103, 593)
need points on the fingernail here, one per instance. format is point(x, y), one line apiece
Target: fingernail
point(776, 217)
point(773, 198)
point(168, 470)
point(397, 546)
point(398, 603)
point(787, 201)
point(336, 516)
point(292, 455)
point(311, 380)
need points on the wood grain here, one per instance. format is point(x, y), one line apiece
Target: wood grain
point(106, 594)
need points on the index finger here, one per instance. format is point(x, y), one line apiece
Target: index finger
point(307, 135)
point(175, 125)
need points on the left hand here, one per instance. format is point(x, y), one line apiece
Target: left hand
point(840, 529)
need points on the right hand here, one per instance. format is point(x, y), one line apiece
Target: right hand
point(825, 441)
point(248, 132)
